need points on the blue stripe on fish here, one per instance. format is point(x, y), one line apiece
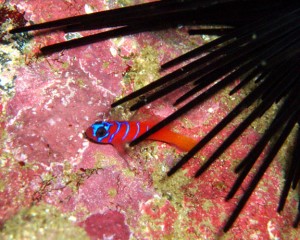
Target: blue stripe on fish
point(113, 135)
point(127, 130)
point(137, 131)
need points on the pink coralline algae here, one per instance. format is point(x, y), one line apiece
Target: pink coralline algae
point(109, 225)
point(45, 159)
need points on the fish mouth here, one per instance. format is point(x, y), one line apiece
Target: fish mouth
point(85, 135)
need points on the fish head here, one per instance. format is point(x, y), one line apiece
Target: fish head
point(99, 132)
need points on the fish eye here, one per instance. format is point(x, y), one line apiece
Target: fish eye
point(101, 131)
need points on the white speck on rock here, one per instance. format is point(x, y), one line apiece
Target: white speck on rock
point(51, 122)
point(88, 8)
point(113, 51)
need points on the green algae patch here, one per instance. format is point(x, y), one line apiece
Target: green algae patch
point(171, 187)
point(41, 222)
point(125, 3)
point(289, 146)
point(80, 82)
point(2, 185)
point(261, 124)
point(121, 112)
point(207, 205)
point(112, 192)
point(143, 68)
point(75, 179)
point(12, 48)
point(102, 161)
point(163, 215)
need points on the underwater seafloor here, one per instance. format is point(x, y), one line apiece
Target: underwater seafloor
point(54, 184)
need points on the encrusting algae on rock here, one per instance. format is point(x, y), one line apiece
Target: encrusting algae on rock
point(42, 222)
point(95, 186)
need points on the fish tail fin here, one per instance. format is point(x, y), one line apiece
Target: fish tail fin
point(182, 142)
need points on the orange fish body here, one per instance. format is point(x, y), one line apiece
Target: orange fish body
point(118, 133)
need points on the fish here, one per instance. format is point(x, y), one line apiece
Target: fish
point(120, 133)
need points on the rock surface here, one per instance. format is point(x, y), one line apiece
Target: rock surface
point(47, 167)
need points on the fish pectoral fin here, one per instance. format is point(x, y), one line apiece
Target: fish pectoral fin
point(121, 148)
point(123, 151)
